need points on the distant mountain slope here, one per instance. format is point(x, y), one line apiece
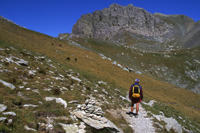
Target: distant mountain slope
point(192, 37)
point(112, 23)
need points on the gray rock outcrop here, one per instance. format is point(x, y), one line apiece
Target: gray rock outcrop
point(110, 21)
point(92, 115)
point(125, 24)
point(17, 61)
point(2, 107)
point(11, 86)
point(63, 35)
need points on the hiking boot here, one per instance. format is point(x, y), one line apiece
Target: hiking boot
point(131, 114)
point(136, 116)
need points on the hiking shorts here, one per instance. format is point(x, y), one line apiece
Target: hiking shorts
point(135, 100)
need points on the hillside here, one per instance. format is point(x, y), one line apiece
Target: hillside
point(44, 80)
point(175, 66)
point(164, 47)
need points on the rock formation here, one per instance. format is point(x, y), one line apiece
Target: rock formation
point(122, 24)
point(117, 18)
point(92, 115)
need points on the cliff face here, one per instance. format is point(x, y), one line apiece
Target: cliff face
point(113, 22)
point(117, 18)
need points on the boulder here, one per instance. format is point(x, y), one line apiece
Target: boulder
point(58, 100)
point(11, 86)
point(92, 116)
point(2, 119)
point(61, 101)
point(30, 105)
point(30, 129)
point(31, 72)
point(2, 107)
point(17, 61)
point(22, 62)
point(171, 123)
point(9, 113)
point(98, 124)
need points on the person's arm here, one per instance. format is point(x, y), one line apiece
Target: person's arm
point(141, 93)
point(130, 93)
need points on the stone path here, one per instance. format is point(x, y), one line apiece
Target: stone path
point(142, 124)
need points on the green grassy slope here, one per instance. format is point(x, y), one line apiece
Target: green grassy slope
point(92, 67)
point(179, 67)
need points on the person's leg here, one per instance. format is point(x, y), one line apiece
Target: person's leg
point(137, 108)
point(132, 107)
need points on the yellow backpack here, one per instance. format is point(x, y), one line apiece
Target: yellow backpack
point(136, 91)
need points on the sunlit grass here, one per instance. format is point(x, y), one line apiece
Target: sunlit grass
point(91, 67)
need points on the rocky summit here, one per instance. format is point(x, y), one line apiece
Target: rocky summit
point(117, 18)
point(127, 25)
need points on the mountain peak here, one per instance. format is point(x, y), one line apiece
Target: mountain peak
point(115, 19)
point(121, 24)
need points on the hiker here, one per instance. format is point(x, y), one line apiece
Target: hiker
point(135, 96)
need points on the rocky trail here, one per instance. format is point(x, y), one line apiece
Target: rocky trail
point(141, 124)
point(146, 120)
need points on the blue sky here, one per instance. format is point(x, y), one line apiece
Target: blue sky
point(52, 17)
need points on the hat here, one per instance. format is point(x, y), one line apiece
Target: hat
point(137, 80)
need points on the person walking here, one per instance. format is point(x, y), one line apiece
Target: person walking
point(135, 96)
